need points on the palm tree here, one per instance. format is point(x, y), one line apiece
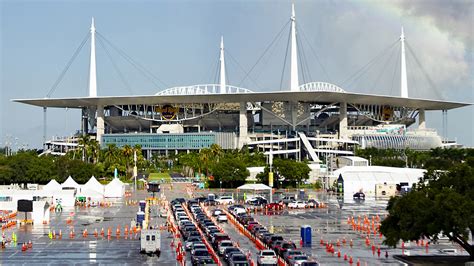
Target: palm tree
point(84, 142)
point(205, 156)
point(127, 152)
point(216, 151)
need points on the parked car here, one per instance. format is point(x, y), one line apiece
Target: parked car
point(297, 204)
point(238, 259)
point(229, 251)
point(359, 196)
point(223, 245)
point(222, 218)
point(198, 254)
point(216, 212)
point(274, 206)
point(257, 201)
point(267, 257)
point(288, 199)
point(298, 260)
point(309, 263)
point(313, 203)
point(284, 247)
point(289, 253)
point(206, 262)
point(190, 241)
point(225, 200)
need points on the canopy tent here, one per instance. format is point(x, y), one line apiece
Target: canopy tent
point(93, 185)
point(90, 194)
point(365, 178)
point(255, 187)
point(114, 189)
point(52, 185)
point(70, 183)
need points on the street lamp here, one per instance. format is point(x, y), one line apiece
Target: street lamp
point(220, 184)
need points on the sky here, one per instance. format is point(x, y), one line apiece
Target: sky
point(178, 41)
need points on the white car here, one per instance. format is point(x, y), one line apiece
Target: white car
point(225, 200)
point(267, 257)
point(222, 218)
point(297, 204)
point(216, 212)
point(238, 210)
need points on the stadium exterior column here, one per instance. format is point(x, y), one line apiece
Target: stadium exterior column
point(421, 119)
point(100, 123)
point(294, 114)
point(243, 124)
point(343, 120)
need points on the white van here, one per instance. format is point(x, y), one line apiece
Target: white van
point(150, 242)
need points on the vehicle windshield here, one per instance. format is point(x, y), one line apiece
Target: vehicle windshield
point(201, 253)
point(239, 258)
point(226, 244)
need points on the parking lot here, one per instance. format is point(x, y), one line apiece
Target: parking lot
point(328, 223)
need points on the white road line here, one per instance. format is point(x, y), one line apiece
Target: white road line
point(13, 254)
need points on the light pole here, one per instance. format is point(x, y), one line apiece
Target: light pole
point(135, 168)
point(220, 185)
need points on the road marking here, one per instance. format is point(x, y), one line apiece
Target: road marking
point(13, 254)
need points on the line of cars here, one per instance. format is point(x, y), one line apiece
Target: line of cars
point(220, 242)
point(276, 244)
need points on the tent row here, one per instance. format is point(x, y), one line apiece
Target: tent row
point(92, 189)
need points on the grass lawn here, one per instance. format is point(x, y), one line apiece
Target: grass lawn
point(158, 176)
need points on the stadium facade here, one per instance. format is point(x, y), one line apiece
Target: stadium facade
point(312, 120)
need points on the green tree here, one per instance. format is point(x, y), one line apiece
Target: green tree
point(230, 171)
point(291, 171)
point(442, 202)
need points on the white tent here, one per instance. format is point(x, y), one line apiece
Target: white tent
point(70, 183)
point(365, 178)
point(53, 185)
point(93, 185)
point(255, 187)
point(114, 189)
point(90, 194)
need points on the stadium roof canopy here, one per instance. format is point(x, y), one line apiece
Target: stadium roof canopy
point(322, 97)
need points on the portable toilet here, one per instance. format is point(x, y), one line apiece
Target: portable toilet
point(142, 204)
point(301, 196)
point(306, 235)
point(140, 218)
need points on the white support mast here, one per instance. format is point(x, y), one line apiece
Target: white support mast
point(403, 70)
point(222, 69)
point(92, 67)
point(294, 83)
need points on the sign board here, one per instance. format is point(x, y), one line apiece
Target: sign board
point(169, 112)
point(270, 179)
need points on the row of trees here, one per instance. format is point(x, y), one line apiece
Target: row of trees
point(227, 169)
point(27, 167)
point(439, 158)
point(109, 158)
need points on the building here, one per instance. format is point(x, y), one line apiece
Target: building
point(315, 120)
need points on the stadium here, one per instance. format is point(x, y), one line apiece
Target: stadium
point(308, 121)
